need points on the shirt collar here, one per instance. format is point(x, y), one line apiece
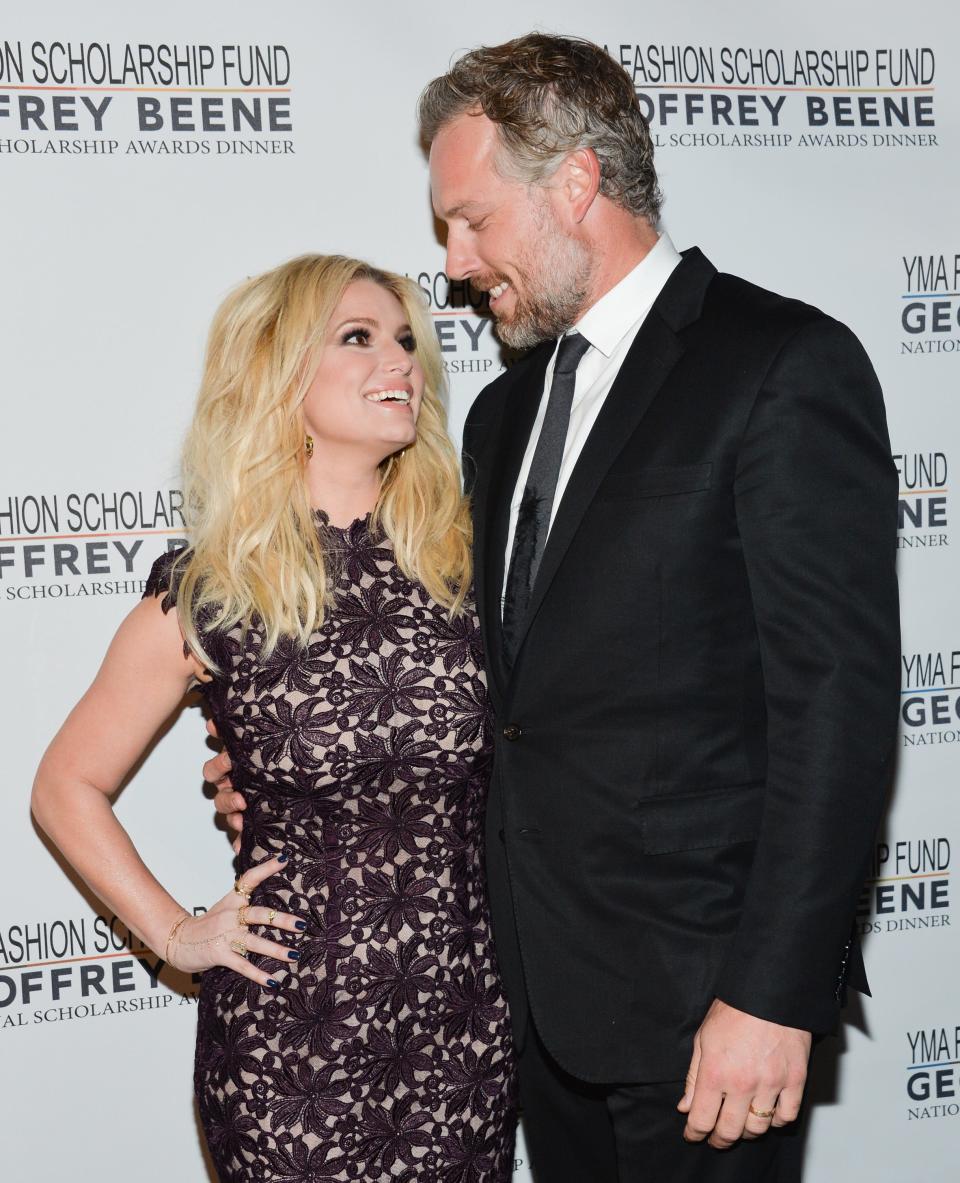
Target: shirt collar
point(607, 322)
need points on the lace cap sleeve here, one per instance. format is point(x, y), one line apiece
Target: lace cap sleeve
point(162, 580)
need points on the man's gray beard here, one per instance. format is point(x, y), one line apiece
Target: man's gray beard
point(558, 288)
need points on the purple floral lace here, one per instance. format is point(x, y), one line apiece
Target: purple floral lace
point(386, 1053)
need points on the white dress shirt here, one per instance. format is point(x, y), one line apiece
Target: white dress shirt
point(610, 326)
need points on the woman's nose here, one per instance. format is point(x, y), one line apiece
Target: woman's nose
point(400, 360)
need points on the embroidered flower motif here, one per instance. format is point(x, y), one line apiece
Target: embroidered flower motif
point(389, 1134)
point(387, 687)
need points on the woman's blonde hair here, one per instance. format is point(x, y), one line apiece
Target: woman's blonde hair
point(255, 549)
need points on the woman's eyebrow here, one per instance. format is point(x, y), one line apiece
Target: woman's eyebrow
point(359, 320)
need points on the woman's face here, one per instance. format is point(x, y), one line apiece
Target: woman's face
point(365, 394)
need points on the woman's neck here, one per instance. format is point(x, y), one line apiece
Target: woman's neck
point(344, 491)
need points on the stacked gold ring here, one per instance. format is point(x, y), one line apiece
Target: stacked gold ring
point(242, 915)
point(239, 947)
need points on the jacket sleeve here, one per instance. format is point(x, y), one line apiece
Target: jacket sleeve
point(816, 505)
point(468, 453)
point(475, 432)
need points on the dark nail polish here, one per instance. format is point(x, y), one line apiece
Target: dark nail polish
point(301, 924)
point(273, 984)
point(293, 955)
point(283, 857)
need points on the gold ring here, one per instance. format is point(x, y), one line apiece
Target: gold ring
point(239, 947)
point(242, 915)
point(272, 916)
point(762, 1112)
point(239, 888)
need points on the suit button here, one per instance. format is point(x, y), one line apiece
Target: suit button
point(512, 731)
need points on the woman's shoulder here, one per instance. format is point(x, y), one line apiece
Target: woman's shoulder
point(163, 583)
point(164, 578)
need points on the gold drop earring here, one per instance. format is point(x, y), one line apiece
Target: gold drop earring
point(308, 446)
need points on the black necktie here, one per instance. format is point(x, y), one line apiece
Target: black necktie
point(536, 505)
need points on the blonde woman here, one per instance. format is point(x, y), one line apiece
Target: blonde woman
point(351, 1021)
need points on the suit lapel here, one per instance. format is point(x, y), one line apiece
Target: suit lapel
point(494, 494)
point(654, 353)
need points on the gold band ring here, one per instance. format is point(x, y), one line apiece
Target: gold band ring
point(762, 1112)
point(239, 947)
point(272, 916)
point(242, 915)
point(240, 889)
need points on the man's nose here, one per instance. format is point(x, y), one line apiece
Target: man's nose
point(461, 262)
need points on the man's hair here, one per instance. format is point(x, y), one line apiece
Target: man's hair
point(549, 96)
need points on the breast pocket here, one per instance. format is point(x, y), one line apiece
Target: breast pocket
point(661, 481)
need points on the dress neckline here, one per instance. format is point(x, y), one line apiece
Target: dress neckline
point(322, 518)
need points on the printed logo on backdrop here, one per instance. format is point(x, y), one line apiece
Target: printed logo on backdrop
point(908, 888)
point(66, 546)
point(923, 509)
point(464, 326)
point(930, 699)
point(933, 1073)
point(57, 971)
point(697, 96)
point(92, 98)
point(930, 304)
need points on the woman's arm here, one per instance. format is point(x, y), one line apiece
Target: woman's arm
point(143, 677)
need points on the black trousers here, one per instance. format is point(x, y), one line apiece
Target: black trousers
point(588, 1133)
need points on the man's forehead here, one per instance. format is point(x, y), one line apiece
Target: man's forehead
point(466, 140)
point(462, 165)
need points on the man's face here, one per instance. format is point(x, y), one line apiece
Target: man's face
point(508, 238)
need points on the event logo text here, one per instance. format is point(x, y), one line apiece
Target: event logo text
point(930, 698)
point(908, 887)
point(775, 97)
point(933, 1074)
point(67, 545)
point(930, 304)
point(96, 98)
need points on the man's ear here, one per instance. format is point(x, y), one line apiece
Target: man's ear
point(580, 181)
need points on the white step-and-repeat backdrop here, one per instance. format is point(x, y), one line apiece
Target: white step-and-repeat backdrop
point(152, 157)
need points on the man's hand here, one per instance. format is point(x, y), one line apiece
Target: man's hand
point(216, 771)
point(742, 1066)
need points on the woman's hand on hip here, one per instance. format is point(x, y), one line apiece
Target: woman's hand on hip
point(226, 934)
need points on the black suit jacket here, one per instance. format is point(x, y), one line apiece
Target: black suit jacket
point(694, 743)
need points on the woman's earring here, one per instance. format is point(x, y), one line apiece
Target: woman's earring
point(308, 446)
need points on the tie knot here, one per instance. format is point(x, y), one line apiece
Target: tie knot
point(572, 348)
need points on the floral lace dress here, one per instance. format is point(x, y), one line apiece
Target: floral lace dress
point(385, 1054)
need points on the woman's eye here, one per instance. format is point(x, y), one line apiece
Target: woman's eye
point(409, 342)
point(358, 336)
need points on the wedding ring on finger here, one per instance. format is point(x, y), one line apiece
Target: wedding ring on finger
point(239, 947)
point(764, 1113)
point(241, 889)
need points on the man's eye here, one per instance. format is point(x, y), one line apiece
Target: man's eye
point(477, 226)
point(409, 342)
point(359, 336)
